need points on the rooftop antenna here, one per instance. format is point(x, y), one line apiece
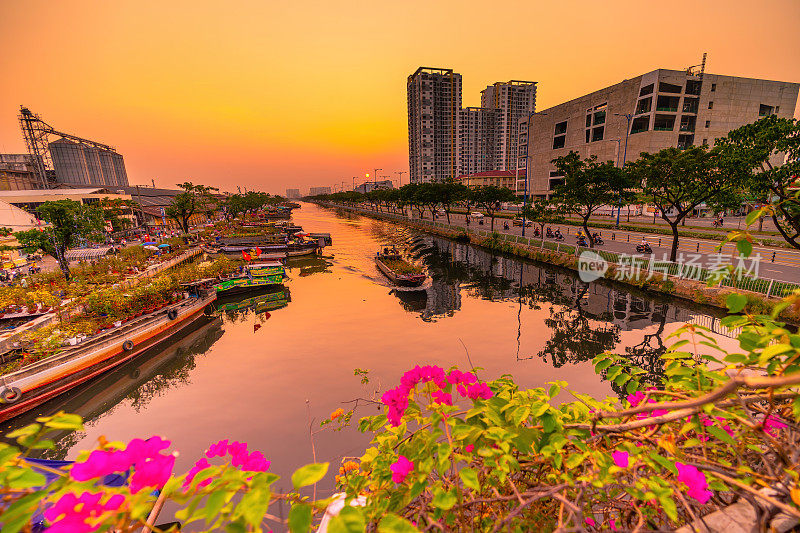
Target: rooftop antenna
point(692, 70)
point(153, 181)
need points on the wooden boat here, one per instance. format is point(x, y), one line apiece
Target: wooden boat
point(398, 270)
point(265, 302)
point(34, 384)
point(255, 276)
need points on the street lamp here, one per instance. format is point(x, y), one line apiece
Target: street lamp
point(527, 157)
point(628, 118)
point(400, 177)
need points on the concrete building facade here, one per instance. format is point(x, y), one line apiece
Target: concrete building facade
point(292, 193)
point(511, 101)
point(434, 102)
point(476, 140)
point(498, 178)
point(313, 191)
point(667, 108)
point(77, 163)
point(17, 172)
point(369, 186)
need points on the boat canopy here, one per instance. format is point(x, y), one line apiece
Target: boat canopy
point(266, 264)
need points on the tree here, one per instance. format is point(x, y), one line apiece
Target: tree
point(489, 197)
point(408, 196)
point(449, 193)
point(113, 211)
point(67, 222)
point(752, 146)
point(194, 199)
point(589, 185)
point(677, 181)
point(542, 212)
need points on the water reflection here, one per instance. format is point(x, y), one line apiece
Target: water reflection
point(237, 309)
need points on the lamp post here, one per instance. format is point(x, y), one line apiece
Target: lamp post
point(628, 118)
point(527, 157)
point(400, 177)
point(375, 179)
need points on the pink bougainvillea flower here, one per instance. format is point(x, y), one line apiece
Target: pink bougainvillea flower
point(621, 459)
point(636, 398)
point(442, 397)
point(401, 468)
point(153, 472)
point(590, 522)
point(469, 447)
point(136, 455)
point(218, 449)
point(772, 424)
point(199, 466)
point(73, 514)
point(613, 525)
point(695, 481)
point(100, 463)
point(479, 390)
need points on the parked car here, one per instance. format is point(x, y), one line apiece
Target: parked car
point(518, 222)
point(476, 215)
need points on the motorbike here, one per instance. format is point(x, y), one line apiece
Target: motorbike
point(549, 233)
point(537, 233)
point(597, 239)
point(505, 226)
point(582, 241)
point(557, 236)
point(644, 249)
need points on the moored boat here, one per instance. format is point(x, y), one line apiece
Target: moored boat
point(398, 270)
point(255, 276)
point(36, 383)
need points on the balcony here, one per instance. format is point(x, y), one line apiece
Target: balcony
point(668, 109)
point(638, 130)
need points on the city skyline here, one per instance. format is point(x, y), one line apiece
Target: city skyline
point(310, 95)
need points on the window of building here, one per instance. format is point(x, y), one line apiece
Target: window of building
point(711, 105)
point(647, 89)
point(713, 87)
point(664, 123)
point(764, 110)
point(599, 117)
point(559, 142)
point(705, 142)
point(693, 87)
point(640, 124)
point(664, 87)
point(691, 105)
point(708, 123)
point(597, 133)
point(685, 141)
point(561, 128)
point(644, 105)
point(668, 103)
point(588, 134)
point(589, 119)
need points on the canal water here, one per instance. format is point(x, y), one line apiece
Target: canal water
point(267, 372)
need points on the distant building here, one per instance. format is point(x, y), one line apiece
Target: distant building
point(511, 101)
point(292, 193)
point(498, 178)
point(434, 102)
point(314, 191)
point(80, 163)
point(668, 108)
point(370, 186)
point(17, 172)
point(477, 149)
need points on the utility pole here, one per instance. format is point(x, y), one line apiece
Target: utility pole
point(628, 117)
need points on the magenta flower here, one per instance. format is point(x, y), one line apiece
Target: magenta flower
point(218, 449)
point(100, 463)
point(401, 468)
point(152, 473)
point(72, 514)
point(635, 398)
point(469, 447)
point(199, 466)
point(442, 397)
point(613, 525)
point(695, 481)
point(590, 522)
point(479, 390)
point(772, 424)
point(621, 459)
point(240, 458)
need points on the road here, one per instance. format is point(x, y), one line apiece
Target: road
point(780, 264)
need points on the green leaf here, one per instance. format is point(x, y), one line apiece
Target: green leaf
point(300, 518)
point(444, 500)
point(391, 523)
point(24, 479)
point(745, 248)
point(721, 434)
point(63, 421)
point(213, 505)
point(668, 504)
point(350, 520)
point(752, 216)
point(309, 474)
point(736, 302)
point(470, 478)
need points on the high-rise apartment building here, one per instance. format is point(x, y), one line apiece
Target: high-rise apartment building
point(292, 194)
point(477, 146)
point(511, 101)
point(434, 102)
point(313, 191)
point(78, 163)
point(666, 108)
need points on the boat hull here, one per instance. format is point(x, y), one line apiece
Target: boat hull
point(402, 281)
point(39, 387)
point(243, 285)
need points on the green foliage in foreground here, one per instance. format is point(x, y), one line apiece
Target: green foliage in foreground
point(721, 428)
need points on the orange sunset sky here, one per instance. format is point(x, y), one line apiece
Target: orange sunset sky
point(270, 95)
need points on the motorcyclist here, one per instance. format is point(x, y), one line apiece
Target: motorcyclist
point(557, 234)
point(549, 232)
point(596, 237)
point(505, 225)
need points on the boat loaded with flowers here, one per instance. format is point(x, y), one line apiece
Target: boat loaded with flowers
point(255, 276)
point(84, 358)
point(398, 270)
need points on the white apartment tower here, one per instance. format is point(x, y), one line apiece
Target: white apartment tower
point(476, 140)
point(434, 103)
point(512, 100)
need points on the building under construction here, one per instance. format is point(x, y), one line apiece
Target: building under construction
point(62, 158)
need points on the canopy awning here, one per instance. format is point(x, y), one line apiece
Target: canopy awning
point(87, 253)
